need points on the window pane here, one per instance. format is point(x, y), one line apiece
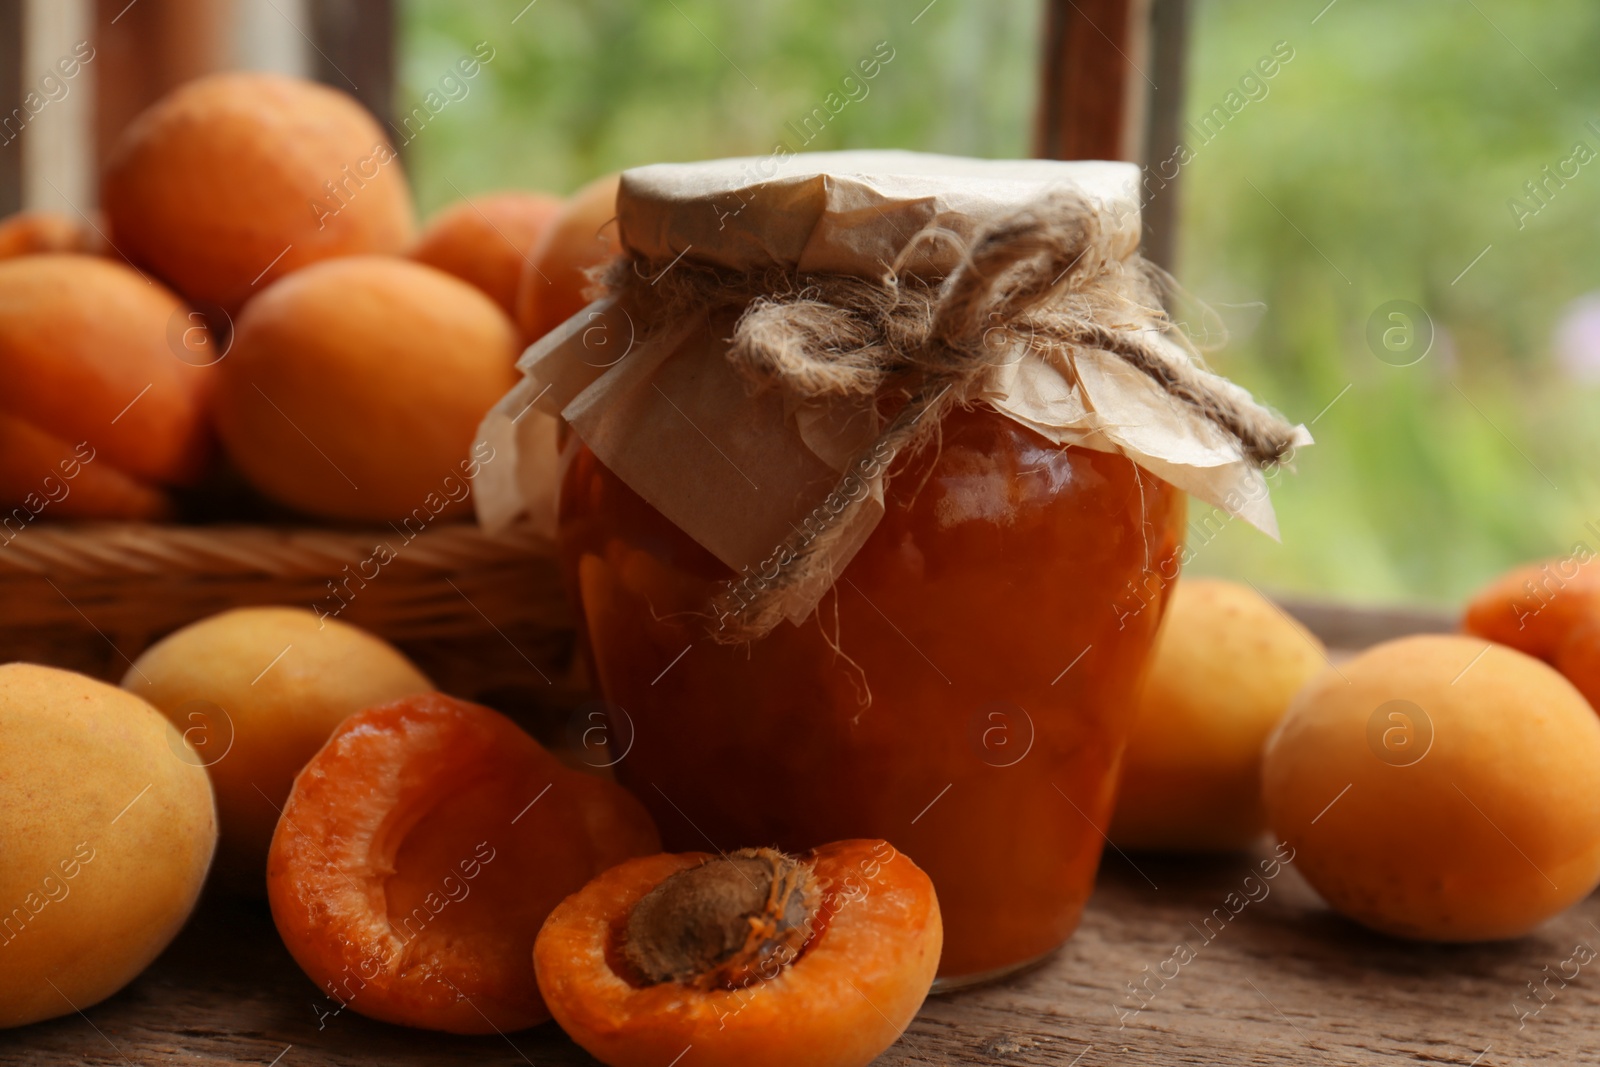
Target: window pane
point(1401, 165)
point(576, 89)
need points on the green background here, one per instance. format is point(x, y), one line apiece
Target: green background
point(1376, 167)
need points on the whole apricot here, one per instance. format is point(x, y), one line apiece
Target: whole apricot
point(819, 960)
point(32, 233)
point(233, 180)
point(354, 389)
point(1441, 788)
point(257, 691)
point(421, 850)
point(1549, 609)
point(105, 368)
point(488, 241)
point(44, 476)
point(1226, 664)
point(1535, 606)
point(583, 235)
point(107, 828)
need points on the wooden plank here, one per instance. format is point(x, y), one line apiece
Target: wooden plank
point(1112, 87)
point(1282, 982)
point(10, 98)
point(1091, 100)
point(355, 51)
point(144, 49)
point(1168, 70)
point(1351, 627)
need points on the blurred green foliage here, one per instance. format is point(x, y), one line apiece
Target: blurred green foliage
point(1373, 166)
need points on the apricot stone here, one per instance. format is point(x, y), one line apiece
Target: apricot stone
point(1440, 787)
point(106, 828)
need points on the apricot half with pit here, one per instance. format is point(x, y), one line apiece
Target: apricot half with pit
point(106, 831)
point(819, 960)
point(419, 853)
point(1440, 787)
point(1226, 664)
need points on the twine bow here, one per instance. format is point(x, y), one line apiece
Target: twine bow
point(1046, 276)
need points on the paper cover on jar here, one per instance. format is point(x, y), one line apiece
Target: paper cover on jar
point(746, 471)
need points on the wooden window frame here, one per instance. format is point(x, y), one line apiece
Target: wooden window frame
point(1111, 77)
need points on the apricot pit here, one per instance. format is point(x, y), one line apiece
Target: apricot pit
point(724, 922)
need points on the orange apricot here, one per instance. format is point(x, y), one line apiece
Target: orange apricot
point(1550, 610)
point(487, 241)
point(582, 236)
point(31, 233)
point(45, 476)
point(355, 387)
point(820, 960)
point(1578, 658)
point(100, 371)
point(233, 180)
point(421, 849)
point(1532, 608)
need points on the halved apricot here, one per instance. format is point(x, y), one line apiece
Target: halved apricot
point(820, 960)
point(421, 849)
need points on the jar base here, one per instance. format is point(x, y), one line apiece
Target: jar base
point(954, 982)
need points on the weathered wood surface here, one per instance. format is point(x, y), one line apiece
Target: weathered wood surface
point(1283, 981)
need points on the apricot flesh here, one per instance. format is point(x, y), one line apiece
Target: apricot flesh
point(106, 829)
point(257, 691)
point(850, 994)
point(583, 235)
point(1440, 787)
point(1226, 664)
point(419, 853)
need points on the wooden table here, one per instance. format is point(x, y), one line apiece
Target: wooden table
point(1283, 981)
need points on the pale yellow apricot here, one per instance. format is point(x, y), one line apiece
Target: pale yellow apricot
point(107, 828)
point(258, 691)
point(1226, 664)
point(1440, 787)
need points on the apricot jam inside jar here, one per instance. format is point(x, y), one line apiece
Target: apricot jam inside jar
point(874, 491)
point(990, 619)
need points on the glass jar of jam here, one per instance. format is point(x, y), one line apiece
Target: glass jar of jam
point(963, 690)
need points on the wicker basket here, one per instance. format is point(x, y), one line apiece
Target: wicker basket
point(487, 620)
